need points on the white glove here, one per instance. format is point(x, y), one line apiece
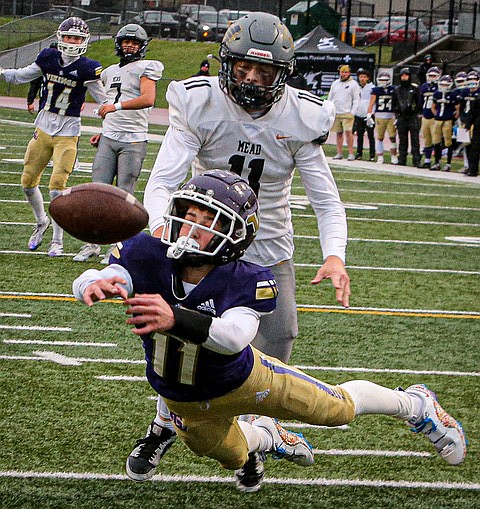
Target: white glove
point(370, 121)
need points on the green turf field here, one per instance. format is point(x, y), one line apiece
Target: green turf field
point(73, 397)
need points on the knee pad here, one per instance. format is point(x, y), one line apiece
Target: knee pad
point(58, 181)
point(29, 179)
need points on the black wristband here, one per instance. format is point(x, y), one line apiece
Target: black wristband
point(190, 326)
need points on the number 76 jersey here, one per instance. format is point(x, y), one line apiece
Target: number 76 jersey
point(209, 130)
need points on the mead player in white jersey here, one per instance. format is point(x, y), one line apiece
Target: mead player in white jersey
point(249, 121)
point(131, 90)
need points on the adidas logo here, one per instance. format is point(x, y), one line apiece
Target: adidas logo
point(208, 306)
point(73, 73)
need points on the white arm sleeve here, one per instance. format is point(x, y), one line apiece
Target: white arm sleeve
point(91, 275)
point(233, 331)
point(323, 195)
point(97, 91)
point(23, 75)
point(176, 153)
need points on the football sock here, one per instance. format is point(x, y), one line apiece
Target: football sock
point(258, 439)
point(163, 418)
point(370, 398)
point(57, 235)
point(449, 154)
point(35, 198)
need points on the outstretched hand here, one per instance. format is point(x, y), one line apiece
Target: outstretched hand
point(334, 269)
point(152, 313)
point(103, 289)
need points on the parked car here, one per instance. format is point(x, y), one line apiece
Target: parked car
point(206, 26)
point(185, 11)
point(440, 28)
point(233, 14)
point(417, 31)
point(158, 23)
point(358, 26)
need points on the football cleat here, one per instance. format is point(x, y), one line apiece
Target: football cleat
point(445, 433)
point(106, 258)
point(144, 459)
point(38, 233)
point(87, 251)
point(55, 249)
point(394, 159)
point(287, 445)
point(248, 479)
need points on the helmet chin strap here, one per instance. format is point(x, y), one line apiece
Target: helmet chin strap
point(180, 246)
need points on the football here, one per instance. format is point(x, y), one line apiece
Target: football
point(98, 213)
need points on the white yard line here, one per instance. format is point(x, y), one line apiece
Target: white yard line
point(401, 221)
point(58, 343)
point(371, 483)
point(36, 327)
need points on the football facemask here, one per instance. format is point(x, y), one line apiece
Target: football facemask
point(384, 79)
point(445, 83)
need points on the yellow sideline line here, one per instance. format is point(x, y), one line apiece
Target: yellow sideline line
point(386, 313)
point(301, 309)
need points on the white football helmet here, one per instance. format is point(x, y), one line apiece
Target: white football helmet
point(76, 27)
point(384, 79)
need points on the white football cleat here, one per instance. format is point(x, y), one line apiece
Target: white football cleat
point(445, 433)
point(106, 258)
point(288, 445)
point(87, 251)
point(55, 249)
point(37, 236)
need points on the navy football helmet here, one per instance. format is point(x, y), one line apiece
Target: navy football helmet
point(133, 32)
point(445, 83)
point(75, 27)
point(234, 226)
point(473, 79)
point(433, 74)
point(460, 79)
point(256, 37)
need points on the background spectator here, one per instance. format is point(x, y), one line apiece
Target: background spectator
point(406, 107)
point(360, 122)
point(345, 94)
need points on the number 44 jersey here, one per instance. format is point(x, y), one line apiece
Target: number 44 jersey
point(208, 129)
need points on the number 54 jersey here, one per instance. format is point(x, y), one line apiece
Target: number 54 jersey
point(209, 130)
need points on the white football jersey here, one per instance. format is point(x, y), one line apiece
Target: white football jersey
point(123, 83)
point(209, 131)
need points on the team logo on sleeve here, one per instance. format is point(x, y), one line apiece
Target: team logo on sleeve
point(116, 250)
point(266, 290)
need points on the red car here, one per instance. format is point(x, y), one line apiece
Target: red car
point(417, 31)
